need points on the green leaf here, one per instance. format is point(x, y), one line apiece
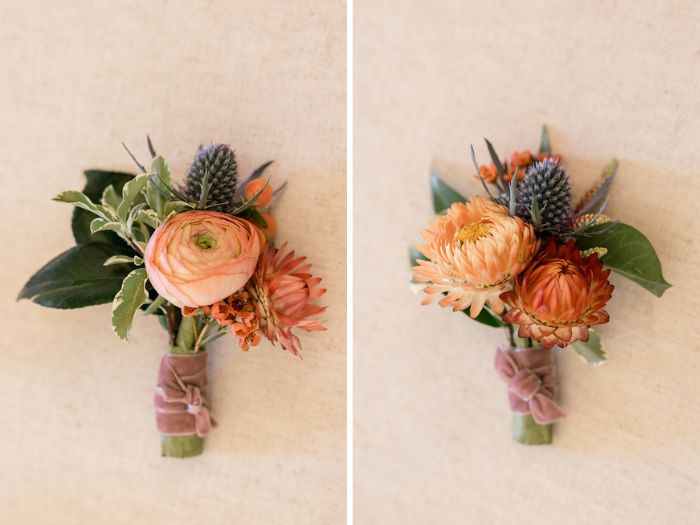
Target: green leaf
point(592, 352)
point(545, 146)
point(630, 254)
point(97, 182)
point(131, 295)
point(528, 432)
point(443, 195)
point(129, 193)
point(76, 198)
point(78, 278)
point(155, 305)
point(163, 182)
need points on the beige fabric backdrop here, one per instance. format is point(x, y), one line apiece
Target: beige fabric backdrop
point(432, 428)
point(79, 443)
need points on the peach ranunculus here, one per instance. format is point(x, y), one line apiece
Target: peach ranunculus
point(200, 257)
point(474, 253)
point(559, 296)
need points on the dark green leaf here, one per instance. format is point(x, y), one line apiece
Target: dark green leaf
point(545, 146)
point(257, 218)
point(485, 317)
point(630, 254)
point(97, 181)
point(443, 195)
point(78, 278)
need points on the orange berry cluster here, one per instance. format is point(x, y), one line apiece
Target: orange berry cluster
point(518, 160)
point(236, 311)
point(253, 187)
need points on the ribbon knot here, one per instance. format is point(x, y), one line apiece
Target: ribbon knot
point(181, 404)
point(529, 373)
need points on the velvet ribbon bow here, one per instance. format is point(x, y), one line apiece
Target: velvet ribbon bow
point(529, 373)
point(181, 403)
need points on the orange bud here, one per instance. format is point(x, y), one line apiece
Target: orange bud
point(253, 187)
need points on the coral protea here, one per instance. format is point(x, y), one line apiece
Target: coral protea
point(475, 251)
point(559, 296)
point(549, 182)
point(282, 293)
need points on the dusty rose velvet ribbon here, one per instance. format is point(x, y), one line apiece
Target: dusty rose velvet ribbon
point(181, 395)
point(529, 373)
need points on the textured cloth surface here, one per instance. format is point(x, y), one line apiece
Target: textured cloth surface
point(432, 430)
point(76, 79)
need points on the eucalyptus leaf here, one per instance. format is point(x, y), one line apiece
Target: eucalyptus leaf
point(149, 217)
point(443, 195)
point(129, 193)
point(80, 200)
point(97, 182)
point(630, 254)
point(110, 198)
point(161, 185)
point(100, 225)
point(592, 351)
point(131, 296)
point(78, 278)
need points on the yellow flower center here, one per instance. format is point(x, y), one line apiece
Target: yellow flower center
point(472, 232)
point(205, 241)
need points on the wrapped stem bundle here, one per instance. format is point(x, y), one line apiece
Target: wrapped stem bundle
point(199, 257)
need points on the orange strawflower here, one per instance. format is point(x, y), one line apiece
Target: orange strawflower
point(559, 296)
point(475, 251)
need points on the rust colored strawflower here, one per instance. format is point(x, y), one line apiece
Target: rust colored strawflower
point(559, 296)
point(474, 253)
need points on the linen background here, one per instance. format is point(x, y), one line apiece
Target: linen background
point(432, 424)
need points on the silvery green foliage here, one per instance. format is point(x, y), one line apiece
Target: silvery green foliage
point(219, 162)
point(549, 183)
